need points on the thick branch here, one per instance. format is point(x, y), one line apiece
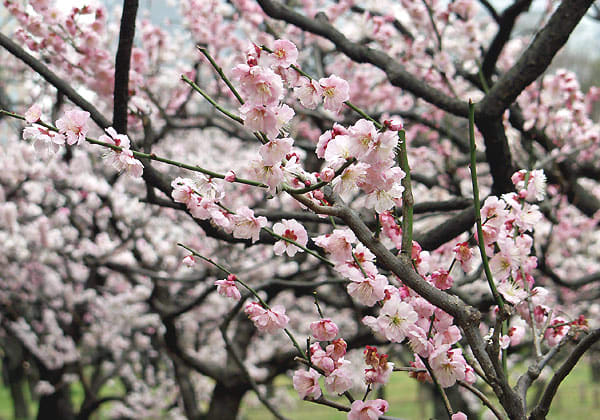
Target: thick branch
point(536, 58)
point(541, 410)
point(60, 84)
point(363, 54)
point(122, 63)
point(506, 24)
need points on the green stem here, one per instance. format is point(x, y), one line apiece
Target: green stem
point(149, 156)
point(477, 209)
point(407, 197)
point(211, 100)
point(250, 289)
point(219, 70)
point(291, 241)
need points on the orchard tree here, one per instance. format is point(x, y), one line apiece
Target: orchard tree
point(338, 191)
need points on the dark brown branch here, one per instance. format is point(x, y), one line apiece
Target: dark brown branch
point(54, 80)
point(363, 54)
point(506, 23)
point(541, 410)
point(122, 64)
point(536, 58)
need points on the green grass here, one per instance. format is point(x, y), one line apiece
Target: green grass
point(577, 398)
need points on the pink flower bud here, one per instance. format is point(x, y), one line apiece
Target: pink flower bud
point(327, 174)
point(230, 176)
point(324, 329)
point(189, 261)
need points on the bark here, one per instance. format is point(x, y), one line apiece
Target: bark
point(225, 402)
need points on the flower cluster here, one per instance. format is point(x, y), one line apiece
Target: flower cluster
point(374, 172)
point(201, 197)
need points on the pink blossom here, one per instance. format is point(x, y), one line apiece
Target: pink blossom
point(284, 53)
point(183, 190)
point(230, 176)
point(327, 174)
point(74, 126)
point(306, 382)
point(442, 279)
point(189, 261)
point(292, 230)
point(309, 93)
point(258, 117)
point(340, 380)
point(338, 244)
point(337, 349)
point(559, 327)
point(322, 359)
point(394, 124)
point(367, 410)
point(535, 189)
point(44, 140)
point(275, 150)
point(125, 161)
point(380, 370)
point(511, 291)
point(246, 226)
point(463, 254)
point(327, 136)
point(395, 320)
point(33, 114)
point(260, 85)
point(228, 287)
point(271, 175)
point(459, 416)
point(362, 136)
point(324, 329)
point(448, 365)
point(369, 290)
point(336, 91)
point(267, 320)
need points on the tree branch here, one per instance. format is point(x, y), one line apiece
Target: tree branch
point(122, 64)
point(363, 54)
point(536, 58)
point(541, 410)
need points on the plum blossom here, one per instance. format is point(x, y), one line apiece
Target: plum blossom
point(44, 140)
point(463, 254)
point(367, 290)
point(275, 150)
point(535, 189)
point(33, 114)
point(395, 320)
point(511, 291)
point(228, 287)
point(189, 261)
point(246, 226)
point(292, 230)
point(306, 382)
point(324, 329)
point(367, 410)
point(309, 92)
point(448, 365)
point(259, 85)
point(338, 244)
point(340, 380)
point(459, 416)
point(380, 370)
point(336, 91)
point(74, 126)
point(267, 320)
point(121, 159)
point(284, 53)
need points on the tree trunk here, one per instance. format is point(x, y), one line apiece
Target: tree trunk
point(225, 402)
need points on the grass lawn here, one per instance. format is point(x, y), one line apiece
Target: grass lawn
point(577, 399)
